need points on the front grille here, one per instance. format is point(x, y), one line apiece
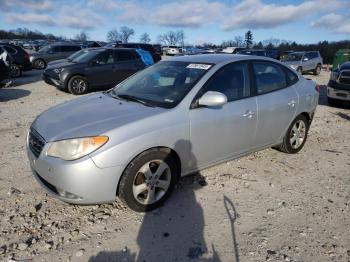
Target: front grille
point(344, 77)
point(36, 142)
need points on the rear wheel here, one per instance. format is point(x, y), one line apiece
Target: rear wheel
point(78, 85)
point(317, 70)
point(15, 71)
point(148, 180)
point(296, 136)
point(39, 64)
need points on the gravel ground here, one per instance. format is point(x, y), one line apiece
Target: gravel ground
point(268, 206)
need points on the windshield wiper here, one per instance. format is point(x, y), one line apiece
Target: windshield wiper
point(134, 99)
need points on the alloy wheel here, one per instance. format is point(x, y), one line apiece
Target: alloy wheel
point(39, 64)
point(297, 134)
point(15, 71)
point(151, 182)
point(79, 86)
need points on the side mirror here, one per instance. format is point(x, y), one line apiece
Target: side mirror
point(93, 63)
point(212, 99)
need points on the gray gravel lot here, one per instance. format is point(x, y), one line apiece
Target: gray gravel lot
point(268, 206)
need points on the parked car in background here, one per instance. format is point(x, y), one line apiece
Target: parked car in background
point(341, 56)
point(302, 62)
point(272, 53)
point(232, 49)
point(338, 88)
point(172, 50)
point(93, 68)
point(156, 55)
point(52, 52)
point(20, 59)
point(138, 138)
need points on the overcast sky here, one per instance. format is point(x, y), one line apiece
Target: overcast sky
point(305, 21)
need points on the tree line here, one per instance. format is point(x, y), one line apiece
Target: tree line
point(125, 34)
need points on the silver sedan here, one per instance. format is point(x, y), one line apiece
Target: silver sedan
point(169, 120)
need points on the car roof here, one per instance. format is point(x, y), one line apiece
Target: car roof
point(217, 58)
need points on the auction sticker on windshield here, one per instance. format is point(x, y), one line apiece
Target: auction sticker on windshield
point(199, 66)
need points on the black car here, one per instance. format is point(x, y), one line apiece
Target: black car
point(338, 88)
point(156, 54)
point(94, 68)
point(20, 59)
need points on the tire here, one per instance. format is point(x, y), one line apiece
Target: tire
point(39, 64)
point(317, 70)
point(333, 101)
point(78, 85)
point(300, 70)
point(15, 71)
point(135, 190)
point(295, 133)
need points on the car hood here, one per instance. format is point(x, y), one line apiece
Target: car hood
point(89, 116)
point(55, 62)
point(64, 64)
point(345, 66)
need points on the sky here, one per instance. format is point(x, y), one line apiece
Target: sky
point(303, 21)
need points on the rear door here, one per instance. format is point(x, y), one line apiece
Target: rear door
point(55, 53)
point(125, 65)
point(277, 101)
point(101, 69)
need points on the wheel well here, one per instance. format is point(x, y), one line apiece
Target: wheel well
point(162, 148)
point(307, 115)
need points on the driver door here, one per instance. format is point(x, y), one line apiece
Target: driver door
point(101, 69)
point(219, 133)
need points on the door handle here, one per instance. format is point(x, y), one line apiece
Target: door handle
point(292, 103)
point(249, 114)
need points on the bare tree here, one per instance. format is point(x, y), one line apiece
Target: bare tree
point(82, 36)
point(113, 36)
point(239, 42)
point(126, 33)
point(144, 38)
point(172, 38)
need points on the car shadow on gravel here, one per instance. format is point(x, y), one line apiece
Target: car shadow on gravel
point(28, 78)
point(175, 231)
point(8, 94)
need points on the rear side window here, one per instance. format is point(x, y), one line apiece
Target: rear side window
point(125, 55)
point(57, 49)
point(232, 80)
point(74, 48)
point(268, 77)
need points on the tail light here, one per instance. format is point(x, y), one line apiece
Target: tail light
point(318, 88)
point(26, 56)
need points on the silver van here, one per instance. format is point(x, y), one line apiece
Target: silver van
point(304, 62)
point(53, 52)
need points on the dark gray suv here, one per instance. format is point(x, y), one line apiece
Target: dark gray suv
point(52, 52)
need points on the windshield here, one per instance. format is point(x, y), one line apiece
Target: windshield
point(164, 84)
point(84, 56)
point(76, 54)
point(44, 49)
point(292, 57)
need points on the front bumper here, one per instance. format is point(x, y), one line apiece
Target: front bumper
point(53, 80)
point(77, 182)
point(338, 94)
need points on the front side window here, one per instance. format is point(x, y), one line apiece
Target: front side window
point(164, 84)
point(105, 58)
point(232, 80)
point(268, 77)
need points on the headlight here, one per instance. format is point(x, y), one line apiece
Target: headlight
point(334, 75)
point(58, 70)
point(31, 58)
point(72, 149)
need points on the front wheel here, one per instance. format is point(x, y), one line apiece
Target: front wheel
point(78, 85)
point(296, 136)
point(39, 64)
point(317, 70)
point(148, 180)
